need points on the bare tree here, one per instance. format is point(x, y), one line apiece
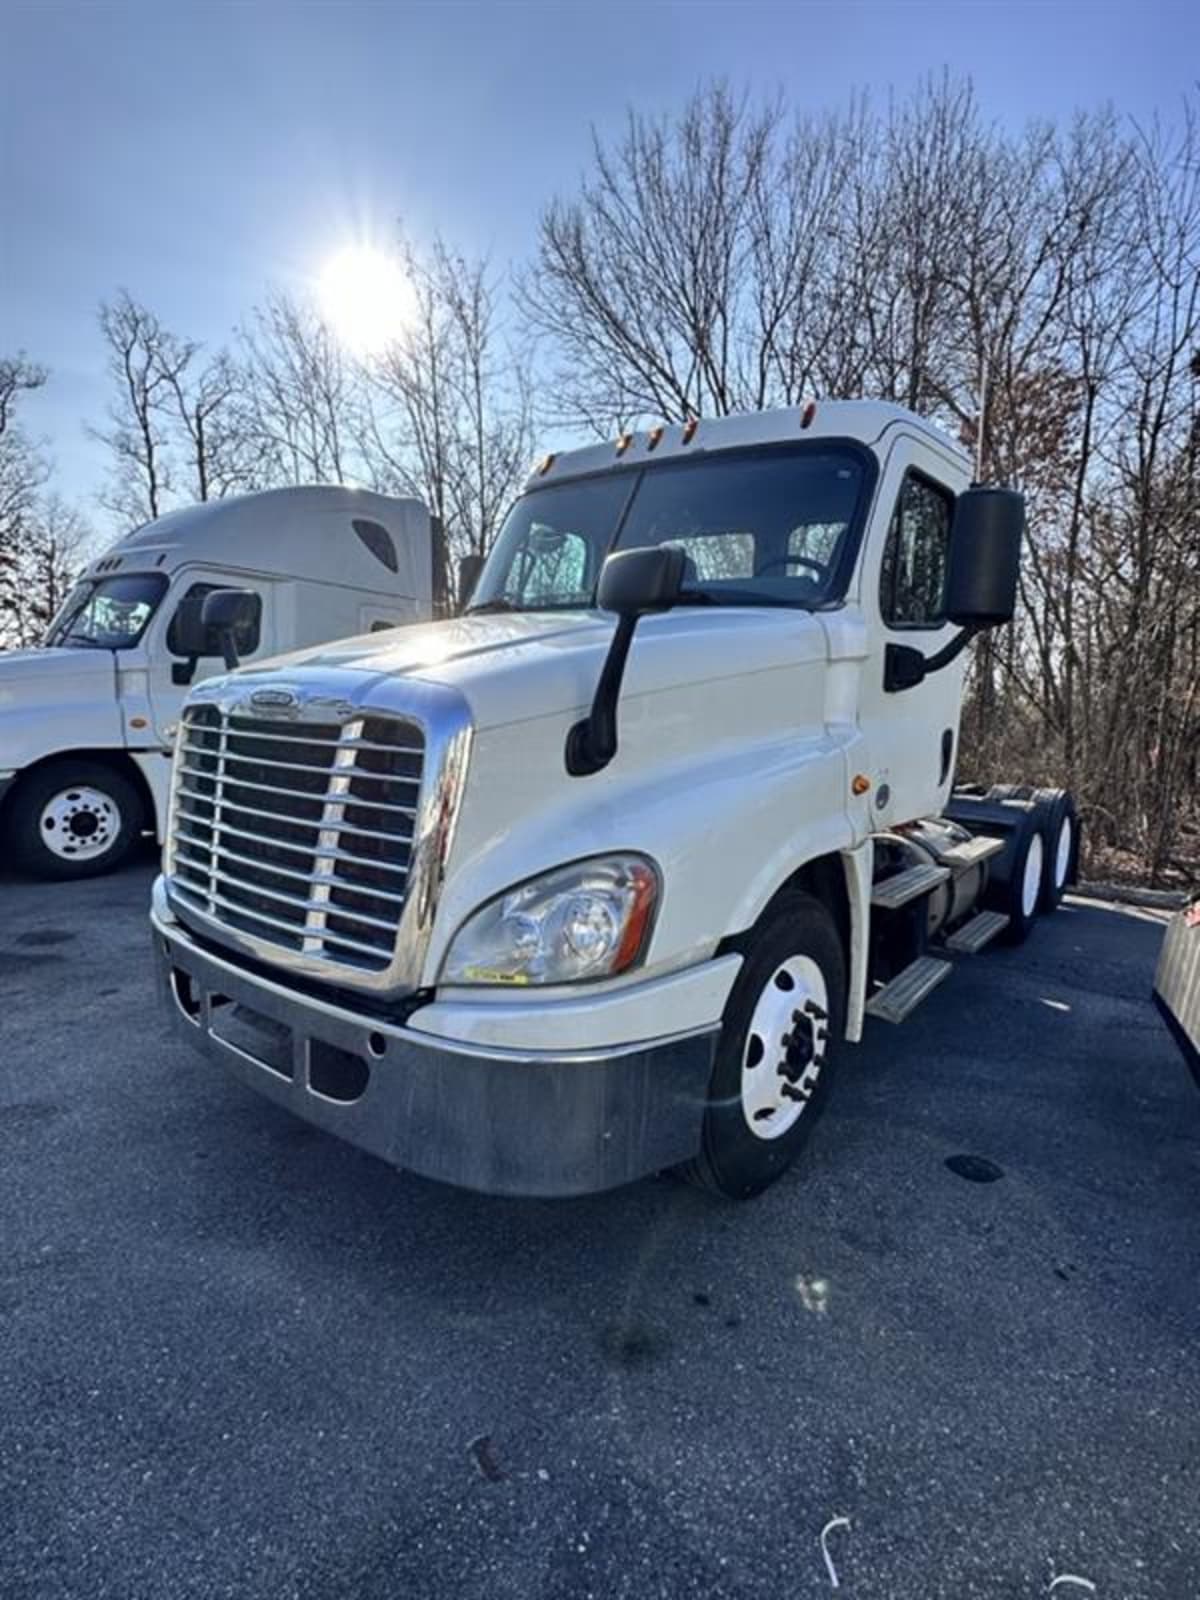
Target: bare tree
point(52, 553)
point(23, 471)
point(145, 362)
point(450, 416)
point(299, 411)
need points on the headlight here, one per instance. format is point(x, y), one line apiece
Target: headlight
point(589, 920)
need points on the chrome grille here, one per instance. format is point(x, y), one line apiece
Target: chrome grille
point(299, 834)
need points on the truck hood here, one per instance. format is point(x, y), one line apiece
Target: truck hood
point(513, 667)
point(39, 674)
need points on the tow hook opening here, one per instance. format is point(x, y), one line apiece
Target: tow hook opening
point(336, 1074)
point(186, 996)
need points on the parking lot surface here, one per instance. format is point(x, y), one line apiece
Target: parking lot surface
point(238, 1358)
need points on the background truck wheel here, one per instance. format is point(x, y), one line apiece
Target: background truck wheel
point(783, 1024)
point(73, 819)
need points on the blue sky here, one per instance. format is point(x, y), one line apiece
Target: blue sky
point(196, 153)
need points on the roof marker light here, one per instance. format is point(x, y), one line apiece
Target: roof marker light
point(653, 437)
point(623, 442)
point(546, 465)
point(807, 415)
point(689, 429)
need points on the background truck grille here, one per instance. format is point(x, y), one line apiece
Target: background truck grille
point(298, 833)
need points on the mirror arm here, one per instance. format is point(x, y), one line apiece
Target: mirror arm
point(592, 743)
point(229, 649)
point(905, 668)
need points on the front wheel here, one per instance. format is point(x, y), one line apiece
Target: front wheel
point(783, 1022)
point(73, 819)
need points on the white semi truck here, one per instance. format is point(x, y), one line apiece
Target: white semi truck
point(87, 719)
point(598, 878)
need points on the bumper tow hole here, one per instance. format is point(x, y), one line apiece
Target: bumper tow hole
point(336, 1074)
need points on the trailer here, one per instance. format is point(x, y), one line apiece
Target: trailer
point(604, 876)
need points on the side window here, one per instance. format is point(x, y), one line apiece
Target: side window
point(248, 638)
point(912, 583)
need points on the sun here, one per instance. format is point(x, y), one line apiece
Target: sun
point(365, 298)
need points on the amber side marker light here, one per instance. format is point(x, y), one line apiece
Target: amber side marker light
point(860, 784)
point(623, 443)
point(654, 437)
point(689, 428)
point(547, 463)
point(807, 415)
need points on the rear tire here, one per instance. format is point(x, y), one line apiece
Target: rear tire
point(1022, 893)
point(73, 819)
point(1062, 849)
point(783, 1023)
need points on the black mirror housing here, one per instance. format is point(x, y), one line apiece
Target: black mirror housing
point(635, 582)
point(632, 583)
point(985, 557)
point(224, 614)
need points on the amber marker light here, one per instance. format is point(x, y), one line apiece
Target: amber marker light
point(860, 784)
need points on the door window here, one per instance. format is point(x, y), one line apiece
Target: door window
point(912, 586)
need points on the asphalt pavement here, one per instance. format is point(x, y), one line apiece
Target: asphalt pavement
point(238, 1358)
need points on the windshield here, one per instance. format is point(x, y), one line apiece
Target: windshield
point(107, 613)
point(770, 526)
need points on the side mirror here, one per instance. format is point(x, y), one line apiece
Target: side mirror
point(224, 614)
point(985, 557)
point(469, 568)
point(633, 583)
point(981, 581)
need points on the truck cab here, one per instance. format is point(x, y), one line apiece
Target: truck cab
point(599, 877)
point(87, 719)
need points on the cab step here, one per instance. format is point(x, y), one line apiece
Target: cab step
point(889, 894)
point(972, 851)
point(981, 929)
point(907, 989)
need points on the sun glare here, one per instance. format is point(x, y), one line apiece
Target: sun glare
point(365, 298)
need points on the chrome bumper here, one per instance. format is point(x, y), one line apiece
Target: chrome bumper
point(503, 1122)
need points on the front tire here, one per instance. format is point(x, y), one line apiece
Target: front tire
point(783, 1023)
point(73, 819)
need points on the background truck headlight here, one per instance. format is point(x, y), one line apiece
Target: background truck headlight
point(591, 919)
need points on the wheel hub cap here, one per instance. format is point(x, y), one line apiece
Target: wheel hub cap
point(785, 1047)
point(79, 824)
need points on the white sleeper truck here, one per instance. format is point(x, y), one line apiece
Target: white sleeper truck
point(598, 878)
point(87, 719)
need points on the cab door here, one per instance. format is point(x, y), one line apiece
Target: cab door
point(911, 734)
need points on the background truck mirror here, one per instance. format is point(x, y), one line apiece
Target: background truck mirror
point(985, 557)
point(225, 613)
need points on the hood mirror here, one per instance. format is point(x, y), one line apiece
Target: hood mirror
point(633, 583)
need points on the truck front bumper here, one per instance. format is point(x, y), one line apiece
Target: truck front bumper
point(500, 1121)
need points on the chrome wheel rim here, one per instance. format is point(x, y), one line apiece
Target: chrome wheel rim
point(1031, 884)
point(1062, 856)
point(79, 823)
point(785, 1047)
